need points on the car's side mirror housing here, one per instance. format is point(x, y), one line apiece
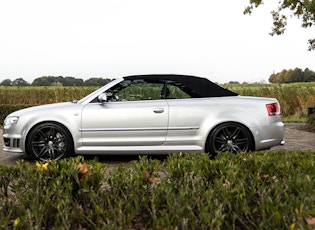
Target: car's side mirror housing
point(102, 98)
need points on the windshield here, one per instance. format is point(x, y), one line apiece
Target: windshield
point(94, 94)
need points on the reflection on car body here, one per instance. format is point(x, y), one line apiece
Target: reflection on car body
point(147, 114)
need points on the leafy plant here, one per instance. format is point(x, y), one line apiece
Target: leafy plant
point(258, 190)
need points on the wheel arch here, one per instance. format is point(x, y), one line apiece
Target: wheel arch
point(43, 122)
point(206, 147)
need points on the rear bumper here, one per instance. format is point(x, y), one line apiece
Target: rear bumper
point(269, 136)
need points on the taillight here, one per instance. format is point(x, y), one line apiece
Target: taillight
point(273, 109)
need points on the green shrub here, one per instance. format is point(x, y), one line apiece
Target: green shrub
point(266, 190)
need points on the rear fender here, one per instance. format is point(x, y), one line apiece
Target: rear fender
point(241, 118)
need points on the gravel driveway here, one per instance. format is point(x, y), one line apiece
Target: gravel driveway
point(295, 136)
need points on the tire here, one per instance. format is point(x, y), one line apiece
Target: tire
point(230, 137)
point(49, 141)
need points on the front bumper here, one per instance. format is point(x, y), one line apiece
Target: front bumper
point(12, 144)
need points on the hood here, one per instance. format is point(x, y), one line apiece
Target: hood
point(42, 108)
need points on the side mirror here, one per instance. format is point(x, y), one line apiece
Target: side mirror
point(102, 98)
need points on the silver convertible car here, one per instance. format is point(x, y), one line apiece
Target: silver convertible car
point(147, 114)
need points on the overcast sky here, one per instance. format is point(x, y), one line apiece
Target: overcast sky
point(113, 38)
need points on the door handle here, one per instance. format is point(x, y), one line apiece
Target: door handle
point(158, 110)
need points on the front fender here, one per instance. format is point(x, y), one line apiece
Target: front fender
point(69, 119)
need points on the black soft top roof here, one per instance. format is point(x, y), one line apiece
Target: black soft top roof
point(194, 86)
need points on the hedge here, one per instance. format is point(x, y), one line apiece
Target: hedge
point(265, 190)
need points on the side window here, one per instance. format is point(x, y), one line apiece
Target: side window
point(150, 91)
point(139, 91)
point(176, 93)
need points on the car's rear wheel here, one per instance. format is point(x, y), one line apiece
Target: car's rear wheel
point(230, 137)
point(49, 141)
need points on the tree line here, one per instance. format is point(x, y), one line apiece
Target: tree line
point(285, 76)
point(56, 81)
point(293, 75)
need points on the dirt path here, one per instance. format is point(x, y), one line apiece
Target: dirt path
point(295, 136)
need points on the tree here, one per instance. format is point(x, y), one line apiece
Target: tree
point(6, 82)
point(297, 75)
point(20, 82)
point(309, 75)
point(41, 81)
point(234, 82)
point(290, 76)
point(273, 78)
point(96, 82)
point(71, 81)
point(58, 81)
point(281, 76)
point(302, 9)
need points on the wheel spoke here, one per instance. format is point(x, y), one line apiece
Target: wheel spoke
point(223, 148)
point(43, 151)
point(56, 151)
point(236, 132)
point(51, 132)
point(52, 153)
point(241, 141)
point(235, 149)
point(226, 133)
point(42, 134)
point(220, 140)
point(38, 143)
point(240, 145)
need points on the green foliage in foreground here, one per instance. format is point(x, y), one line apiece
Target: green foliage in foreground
point(265, 190)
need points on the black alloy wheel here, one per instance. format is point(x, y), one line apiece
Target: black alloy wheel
point(230, 137)
point(49, 141)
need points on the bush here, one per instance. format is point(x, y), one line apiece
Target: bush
point(267, 190)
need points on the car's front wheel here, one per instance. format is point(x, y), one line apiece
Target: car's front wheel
point(230, 137)
point(49, 141)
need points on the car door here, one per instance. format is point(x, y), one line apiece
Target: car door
point(186, 115)
point(132, 122)
point(185, 120)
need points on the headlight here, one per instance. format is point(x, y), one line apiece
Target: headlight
point(10, 120)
